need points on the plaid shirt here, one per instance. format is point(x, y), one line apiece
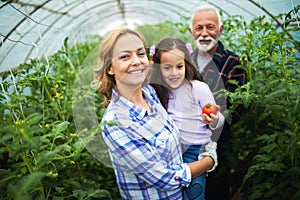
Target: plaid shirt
point(144, 149)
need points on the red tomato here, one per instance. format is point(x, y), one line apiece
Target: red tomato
point(209, 108)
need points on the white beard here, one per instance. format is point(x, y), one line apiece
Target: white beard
point(204, 47)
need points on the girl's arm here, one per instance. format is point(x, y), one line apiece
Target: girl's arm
point(205, 96)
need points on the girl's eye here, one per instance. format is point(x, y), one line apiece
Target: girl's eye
point(166, 68)
point(180, 66)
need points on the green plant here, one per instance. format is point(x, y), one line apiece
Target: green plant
point(47, 157)
point(266, 141)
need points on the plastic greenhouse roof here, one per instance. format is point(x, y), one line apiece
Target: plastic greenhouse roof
point(37, 28)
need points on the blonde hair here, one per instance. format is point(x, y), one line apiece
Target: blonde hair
point(106, 82)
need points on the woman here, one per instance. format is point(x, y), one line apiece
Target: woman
point(142, 140)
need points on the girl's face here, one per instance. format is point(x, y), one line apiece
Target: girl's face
point(129, 62)
point(172, 67)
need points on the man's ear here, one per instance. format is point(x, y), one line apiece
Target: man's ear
point(191, 32)
point(221, 29)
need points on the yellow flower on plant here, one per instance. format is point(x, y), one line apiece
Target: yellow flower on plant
point(56, 85)
point(241, 59)
point(64, 88)
point(17, 123)
point(57, 95)
point(47, 125)
point(293, 50)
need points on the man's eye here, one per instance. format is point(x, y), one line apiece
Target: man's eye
point(211, 27)
point(198, 28)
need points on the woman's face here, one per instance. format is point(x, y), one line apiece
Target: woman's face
point(129, 61)
point(172, 67)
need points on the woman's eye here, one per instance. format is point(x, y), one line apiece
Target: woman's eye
point(141, 53)
point(124, 56)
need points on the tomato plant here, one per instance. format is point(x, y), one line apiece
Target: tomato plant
point(49, 160)
point(47, 157)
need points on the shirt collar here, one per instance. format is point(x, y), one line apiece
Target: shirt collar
point(219, 53)
point(134, 110)
point(217, 56)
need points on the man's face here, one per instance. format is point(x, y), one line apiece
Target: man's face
point(205, 30)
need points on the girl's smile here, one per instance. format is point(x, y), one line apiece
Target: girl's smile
point(173, 68)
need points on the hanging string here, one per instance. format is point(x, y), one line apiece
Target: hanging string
point(27, 16)
point(18, 41)
point(293, 5)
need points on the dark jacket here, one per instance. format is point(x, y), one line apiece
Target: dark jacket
point(219, 71)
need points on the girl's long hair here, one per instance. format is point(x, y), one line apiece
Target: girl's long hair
point(156, 79)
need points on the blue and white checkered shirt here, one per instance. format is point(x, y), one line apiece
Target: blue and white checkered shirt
point(144, 149)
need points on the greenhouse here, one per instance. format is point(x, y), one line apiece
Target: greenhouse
point(51, 146)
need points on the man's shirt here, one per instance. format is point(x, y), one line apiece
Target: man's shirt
point(219, 72)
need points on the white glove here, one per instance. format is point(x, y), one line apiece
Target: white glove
point(210, 150)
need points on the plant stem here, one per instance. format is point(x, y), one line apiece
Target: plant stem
point(53, 103)
point(31, 171)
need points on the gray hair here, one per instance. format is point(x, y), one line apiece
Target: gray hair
point(206, 7)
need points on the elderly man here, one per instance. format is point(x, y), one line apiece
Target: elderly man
point(217, 66)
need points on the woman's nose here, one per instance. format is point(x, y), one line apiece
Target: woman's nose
point(135, 59)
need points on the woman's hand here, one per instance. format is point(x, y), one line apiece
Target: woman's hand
point(210, 150)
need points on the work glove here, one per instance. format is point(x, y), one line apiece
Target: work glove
point(210, 149)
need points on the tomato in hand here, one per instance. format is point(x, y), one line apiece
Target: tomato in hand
point(209, 108)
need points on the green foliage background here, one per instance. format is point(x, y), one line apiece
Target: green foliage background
point(47, 158)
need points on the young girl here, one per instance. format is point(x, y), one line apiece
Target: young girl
point(143, 141)
point(183, 94)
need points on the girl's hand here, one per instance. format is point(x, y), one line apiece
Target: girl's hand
point(211, 120)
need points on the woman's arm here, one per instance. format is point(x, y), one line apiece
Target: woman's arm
point(201, 166)
point(207, 160)
point(137, 156)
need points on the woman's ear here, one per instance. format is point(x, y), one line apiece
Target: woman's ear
point(110, 72)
